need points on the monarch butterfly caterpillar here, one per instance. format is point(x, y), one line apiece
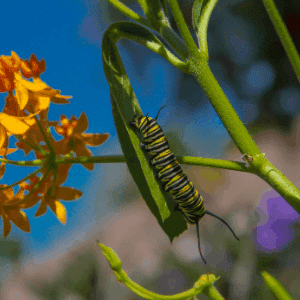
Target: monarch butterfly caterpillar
point(170, 174)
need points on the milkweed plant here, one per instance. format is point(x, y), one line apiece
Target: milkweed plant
point(25, 116)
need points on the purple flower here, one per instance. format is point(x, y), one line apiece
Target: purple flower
point(274, 231)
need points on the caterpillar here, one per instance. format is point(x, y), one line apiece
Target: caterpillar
point(170, 174)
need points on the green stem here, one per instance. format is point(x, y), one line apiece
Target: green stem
point(35, 187)
point(166, 32)
point(21, 180)
point(174, 41)
point(203, 284)
point(149, 14)
point(46, 139)
point(144, 5)
point(215, 163)
point(213, 293)
point(186, 35)
point(184, 160)
point(238, 132)
point(224, 109)
point(205, 16)
point(129, 13)
point(36, 147)
point(269, 173)
point(53, 187)
point(32, 163)
point(145, 38)
point(284, 35)
point(275, 287)
point(139, 290)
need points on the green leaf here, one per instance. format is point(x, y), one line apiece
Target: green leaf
point(124, 106)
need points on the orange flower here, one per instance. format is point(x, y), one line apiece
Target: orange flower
point(4, 148)
point(33, 67)
point(8, 65)
point(12, 62)
point(38, 93)
point(74, 138)
point(50, 196)
point(16, 125)
point(4, 142)
point(35, 138)
point(6, 79)
point(34, 180)
point(51, 199)
point(10, 210)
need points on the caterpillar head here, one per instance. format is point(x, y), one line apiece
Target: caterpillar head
point(140, 121)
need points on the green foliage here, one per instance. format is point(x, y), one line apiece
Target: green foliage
point(191, 59)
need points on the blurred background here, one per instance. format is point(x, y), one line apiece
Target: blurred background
point(58, 261)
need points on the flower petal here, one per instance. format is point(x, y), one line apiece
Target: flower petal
point(13, 124)
point(67, 193)
point(63, 172)
point(7, 194)
point(42, 209)
point(94, 139)
point(22, 94)
point(82, 124)
point(59, 210)
point(19, 218)
point(3, 136)
point(6, 226)
point(81, 150)
point(30, 201)
point(11, 62)
point(7, 151)
point(2, 169)
point(60, 99)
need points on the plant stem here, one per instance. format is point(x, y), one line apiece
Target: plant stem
point(224, 109)
point(186, 35)
point(205, 16)
point(284, 36)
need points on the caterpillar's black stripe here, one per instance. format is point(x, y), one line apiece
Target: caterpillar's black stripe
point(170, 173)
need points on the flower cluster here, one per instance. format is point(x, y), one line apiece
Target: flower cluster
point(25, 116)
